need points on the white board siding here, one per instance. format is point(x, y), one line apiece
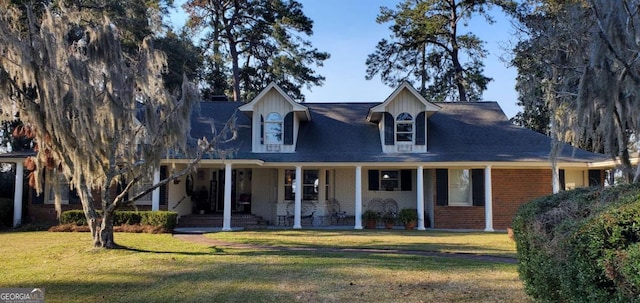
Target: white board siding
point(404, 102)
point(272, 102)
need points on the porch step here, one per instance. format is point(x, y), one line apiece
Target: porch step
point(248, 221)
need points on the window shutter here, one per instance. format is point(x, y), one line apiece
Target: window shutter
point(73, 196)
point(374, 179)
point(562, 180)
point(595, 177)
point(389, 124)
point(163, 188)
point(288, 129)
point(261, 129)
point(477, 186)
point(405, 180)
point(442, 187)
point(421, 129)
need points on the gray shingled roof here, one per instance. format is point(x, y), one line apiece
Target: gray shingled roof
point(339, 132)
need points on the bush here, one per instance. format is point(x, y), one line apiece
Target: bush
point(581, 245)
point(408, 215)
point(163, 219)
point(73, 217)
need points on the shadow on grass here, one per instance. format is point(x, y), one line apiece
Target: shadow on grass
point(295, 277)
point(214, 251)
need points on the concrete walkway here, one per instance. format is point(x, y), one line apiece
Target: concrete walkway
point(201, 239)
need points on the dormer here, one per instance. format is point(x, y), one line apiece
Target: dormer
point(402, 120)
point(276, 119)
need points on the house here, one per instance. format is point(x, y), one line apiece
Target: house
point(461, 165)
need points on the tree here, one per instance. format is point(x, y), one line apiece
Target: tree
point(426, 47)
point(101, 116)
point(258, 42)
point(591, 77)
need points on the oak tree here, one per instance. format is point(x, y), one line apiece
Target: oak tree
point(101, 116)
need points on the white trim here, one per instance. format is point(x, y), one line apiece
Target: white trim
point(374, 112)
point(297, 211)
point(155, 195)
point(420, 197)
point(17, 200)
point(301, 110)
point(226, 217)
point(358, 198)
point(488, 200)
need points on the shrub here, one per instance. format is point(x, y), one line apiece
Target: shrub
point(127, 217)
point(580, 245)
point(75, 217)
point(163, 219)
point(407, 215)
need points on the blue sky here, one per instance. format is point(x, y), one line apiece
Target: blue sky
point(347, 29)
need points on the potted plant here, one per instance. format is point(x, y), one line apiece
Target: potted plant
point(409, 217)
point(389, 219)
point(370, 218)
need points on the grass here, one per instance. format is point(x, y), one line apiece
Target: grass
point(160, 268)
point(493, 244)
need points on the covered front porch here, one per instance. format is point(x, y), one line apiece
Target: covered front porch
point(334, 195)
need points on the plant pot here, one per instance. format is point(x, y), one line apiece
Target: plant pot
point(370, 224)
point(410, 225)
point(510, 234)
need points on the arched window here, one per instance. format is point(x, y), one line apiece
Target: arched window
point(273, 129)
point(404, 128)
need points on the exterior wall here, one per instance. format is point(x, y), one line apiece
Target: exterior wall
point(272, 102)
point(405, 199)
point(264, 193)
point(510, 189)
point(404, 102)
point(459, 217)
point(575, 178)
point(344, 184)
point(514, 187)
point(178, 200)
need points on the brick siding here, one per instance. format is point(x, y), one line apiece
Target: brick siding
point(510, 189)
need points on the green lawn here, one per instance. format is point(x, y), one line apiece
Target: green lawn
point(494, 244)
point(159, 268)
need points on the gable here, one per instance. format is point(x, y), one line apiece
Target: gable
point(402, 99)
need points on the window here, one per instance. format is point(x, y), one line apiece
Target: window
point(309, 185)
point(67, 195)
point(390, 180)
point(460, 187)
point(273, 129)
point(404, 128)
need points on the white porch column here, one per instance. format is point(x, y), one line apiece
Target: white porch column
point(358, 198)
point(226, 215)
point(155, 195)
point(420, 197)
point(298, 199)
point(488, 200)
point(17, 198)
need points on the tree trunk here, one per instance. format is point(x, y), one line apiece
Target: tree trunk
point(235, 69)
point(455, 60)
point(105, 232)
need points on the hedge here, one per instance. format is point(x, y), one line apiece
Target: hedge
point(581, 245)
point(165, 219)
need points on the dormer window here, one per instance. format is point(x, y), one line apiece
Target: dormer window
point(404, 128)
point(273, 129)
